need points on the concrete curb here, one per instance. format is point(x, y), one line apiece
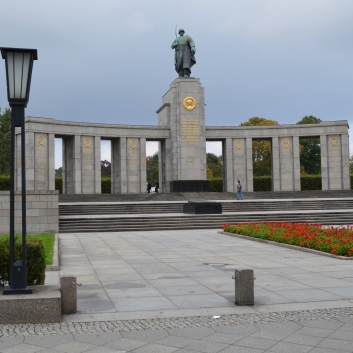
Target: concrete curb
point(293, 247)
point(56, 265)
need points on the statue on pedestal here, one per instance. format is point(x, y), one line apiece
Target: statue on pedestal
point(184, 54)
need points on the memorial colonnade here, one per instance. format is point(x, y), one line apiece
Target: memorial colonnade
point(82, 155)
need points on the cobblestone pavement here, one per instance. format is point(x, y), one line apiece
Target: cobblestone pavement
point(316, 331)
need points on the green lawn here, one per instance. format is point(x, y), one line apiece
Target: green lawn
point(48, 243)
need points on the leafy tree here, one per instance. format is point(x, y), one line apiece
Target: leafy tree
point(106, 168)
point(261, 149)
point(152, 169)
point(310, 150)
point(59, 172)
point(5, 142)
point(351, 164)
point(215, 165)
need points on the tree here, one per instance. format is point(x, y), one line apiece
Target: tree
point(152, 169)
point(59, 172)
point(215, 165)
point(310, 150)
point(106, 169)
point(351, 164)
point(261, 149)
point(5, 141)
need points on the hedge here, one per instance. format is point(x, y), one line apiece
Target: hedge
point(216, 185)
point(35, 260)
point(311, 182)
point(308, 182)
point(263, 183)
point(106, 186)
point(59, 184)
point(5, 182)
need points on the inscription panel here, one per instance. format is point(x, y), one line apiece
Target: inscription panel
point(190, 131)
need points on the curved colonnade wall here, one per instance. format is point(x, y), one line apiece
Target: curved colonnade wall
point(182, 136)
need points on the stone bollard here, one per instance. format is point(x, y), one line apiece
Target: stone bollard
point(68, 295)
point(244, 287)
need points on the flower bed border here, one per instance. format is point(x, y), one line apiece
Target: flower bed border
point(293, 247)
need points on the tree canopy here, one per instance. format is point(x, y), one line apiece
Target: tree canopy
point(106, 169)
point(214, 166)
point(310, 150)
point(5, 140)
point(152, 168)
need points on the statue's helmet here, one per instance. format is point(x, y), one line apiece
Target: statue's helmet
point(181, 30)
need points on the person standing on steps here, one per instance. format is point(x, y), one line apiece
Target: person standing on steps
point(239, 192)
point(149, 186)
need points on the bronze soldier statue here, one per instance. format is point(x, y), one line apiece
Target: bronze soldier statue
point(184, 54)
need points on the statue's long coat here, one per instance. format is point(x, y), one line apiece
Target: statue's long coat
point(184, 58)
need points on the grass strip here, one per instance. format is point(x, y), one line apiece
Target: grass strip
point(48, 244)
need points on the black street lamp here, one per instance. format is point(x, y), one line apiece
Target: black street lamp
point(19, 64)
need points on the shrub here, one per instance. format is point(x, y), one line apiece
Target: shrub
point(216, 185)
point(59, 184)
point(4, 182)
point(263, 183)
point(35, 260)
point(106, 185)
point(311, 182)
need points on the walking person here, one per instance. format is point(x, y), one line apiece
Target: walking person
point(239, 192)
point(149, 186)
point(156, 187)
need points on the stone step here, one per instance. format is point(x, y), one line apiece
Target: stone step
point(111, 224)
point(227, 207)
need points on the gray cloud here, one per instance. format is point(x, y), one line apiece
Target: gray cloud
point(111, 61)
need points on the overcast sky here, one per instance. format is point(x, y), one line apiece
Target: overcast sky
point(110, 61)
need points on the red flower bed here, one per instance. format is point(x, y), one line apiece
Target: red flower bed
point(338, 241)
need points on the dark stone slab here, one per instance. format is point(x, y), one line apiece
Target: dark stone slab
point(43, 306)
point(202, 207)
point(189, 186)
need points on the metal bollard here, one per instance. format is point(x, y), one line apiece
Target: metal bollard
point(244, 287)
point(68, 295)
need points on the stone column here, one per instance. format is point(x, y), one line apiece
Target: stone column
point(324, 162)
point(346, 180)
point(72, 164)
point(51, 161)
point(276, 181)
point(240, 163)
point(97, 166)
point(334, 162)
point(296, 163)
point(249, 185)
point(165, 165)
point(183, 110)
point(31, 154)
point(228, 179)
point(286, 164)
point(143, 173)
point(133, 165)
point(119, 171)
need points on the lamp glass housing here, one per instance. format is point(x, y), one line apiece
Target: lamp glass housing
point(19, 63)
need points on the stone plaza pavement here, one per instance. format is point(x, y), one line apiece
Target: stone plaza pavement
point(172, 291)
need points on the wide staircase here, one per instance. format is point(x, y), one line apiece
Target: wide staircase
point(154, 213)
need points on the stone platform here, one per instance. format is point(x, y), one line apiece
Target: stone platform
point(44, 305)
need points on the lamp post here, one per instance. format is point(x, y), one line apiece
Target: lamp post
point(19, 64)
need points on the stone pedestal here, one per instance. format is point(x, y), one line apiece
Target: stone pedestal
point(202, 207)
point(183, 112)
